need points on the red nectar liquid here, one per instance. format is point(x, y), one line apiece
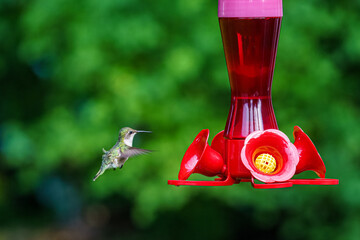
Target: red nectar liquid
point(250, 49)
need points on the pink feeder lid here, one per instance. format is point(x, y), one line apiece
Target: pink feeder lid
point(250, 8)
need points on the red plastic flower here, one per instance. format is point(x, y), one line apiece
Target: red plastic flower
point(270, 156)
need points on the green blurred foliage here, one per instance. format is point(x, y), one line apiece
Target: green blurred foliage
point(74, 72)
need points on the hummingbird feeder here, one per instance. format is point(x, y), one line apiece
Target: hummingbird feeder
point(251, 146)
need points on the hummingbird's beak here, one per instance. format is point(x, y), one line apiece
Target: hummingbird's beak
point(100, 172)
point(143, 131)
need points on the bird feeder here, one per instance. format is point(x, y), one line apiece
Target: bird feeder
point(251, 146)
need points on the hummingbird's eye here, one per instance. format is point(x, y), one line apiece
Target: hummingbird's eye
point(131, 132)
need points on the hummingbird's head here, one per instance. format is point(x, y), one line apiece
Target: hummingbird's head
point(127, 134)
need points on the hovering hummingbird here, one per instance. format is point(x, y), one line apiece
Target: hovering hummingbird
point(121, 151)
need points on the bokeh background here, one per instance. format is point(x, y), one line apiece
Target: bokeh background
point(74, 72)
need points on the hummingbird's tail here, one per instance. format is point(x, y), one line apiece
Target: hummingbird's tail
point(100, 172)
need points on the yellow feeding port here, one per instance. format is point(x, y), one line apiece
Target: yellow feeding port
point(265, 163)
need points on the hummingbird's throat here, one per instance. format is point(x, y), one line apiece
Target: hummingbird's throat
point(129, 140)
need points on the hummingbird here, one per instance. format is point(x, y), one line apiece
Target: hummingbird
point(121, 151)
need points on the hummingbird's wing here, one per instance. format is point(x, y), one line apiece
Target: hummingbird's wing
point(132, 151)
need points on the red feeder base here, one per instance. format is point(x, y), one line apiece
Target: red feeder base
point(231, 181)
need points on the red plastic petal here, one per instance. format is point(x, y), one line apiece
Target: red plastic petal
point(309, 158)
point(218, 143)
point(193, 155)
point(201, 158)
